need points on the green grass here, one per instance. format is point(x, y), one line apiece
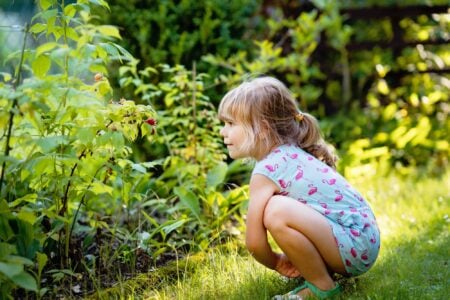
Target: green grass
point(413, 264)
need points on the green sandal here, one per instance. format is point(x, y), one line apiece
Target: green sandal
point(318, 293)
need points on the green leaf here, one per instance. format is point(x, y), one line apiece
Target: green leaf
point(150, 219)
point(216, 175)
point(101, 3)
point(100, 188)
point(6, 76)
point(139, 168)
point(172, 225)
point(109, 30)
point(45, 48)
point(41, 260)
point(27, 216)
point(72, 34)
point(45, 4)
point(6, 249)
point(41, 65)
point(47, 144)
point(189, 199)
point(31, 198)
point(26, 281)
point(6, 231)
point(70, 10)
point(38, 27)
point(10, 270)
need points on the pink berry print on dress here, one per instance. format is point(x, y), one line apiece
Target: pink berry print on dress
point(339, 196)
point(364, 255)
point(271, 168)
point(302, 200)
point(331, 181)
point(355, 232)
point(323, 170)
point(293, 156)
point(357, 196)
point(299, 174)
point(353, 252)
point(283, 183)
point(348, 263)
point(312, 189)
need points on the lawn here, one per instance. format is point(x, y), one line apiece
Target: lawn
point(413, 215)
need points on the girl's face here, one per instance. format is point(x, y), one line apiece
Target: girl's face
point(234, 136)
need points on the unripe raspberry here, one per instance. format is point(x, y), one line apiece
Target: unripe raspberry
point(98, 77)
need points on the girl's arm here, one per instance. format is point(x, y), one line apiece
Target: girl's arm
point(261, 190)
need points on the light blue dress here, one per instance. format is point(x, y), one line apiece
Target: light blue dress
point(301, 176)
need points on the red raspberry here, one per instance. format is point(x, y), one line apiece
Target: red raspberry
point(151, 121)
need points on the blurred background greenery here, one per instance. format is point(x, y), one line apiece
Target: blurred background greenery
point(375, 74)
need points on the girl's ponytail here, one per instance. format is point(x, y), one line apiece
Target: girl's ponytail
point(311, 140)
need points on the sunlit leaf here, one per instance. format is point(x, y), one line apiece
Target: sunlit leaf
point(109, 31)
point(45, 4)
point(41, 65)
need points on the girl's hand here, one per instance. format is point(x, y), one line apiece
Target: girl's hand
point(285, 267)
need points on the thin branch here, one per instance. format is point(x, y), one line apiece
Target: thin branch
point(11, 112)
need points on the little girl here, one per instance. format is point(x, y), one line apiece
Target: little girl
point(320, 222)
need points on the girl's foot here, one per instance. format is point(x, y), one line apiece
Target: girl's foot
point(308, 290)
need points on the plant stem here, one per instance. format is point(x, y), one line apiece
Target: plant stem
point(194, 112)
point(11, 112)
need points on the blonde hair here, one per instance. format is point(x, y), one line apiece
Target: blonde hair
point(268, 112)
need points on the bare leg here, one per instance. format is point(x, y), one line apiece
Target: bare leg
point(306, 238)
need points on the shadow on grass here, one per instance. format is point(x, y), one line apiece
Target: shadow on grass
point(415, 268)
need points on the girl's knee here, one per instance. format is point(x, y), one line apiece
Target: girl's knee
point(274, 212)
